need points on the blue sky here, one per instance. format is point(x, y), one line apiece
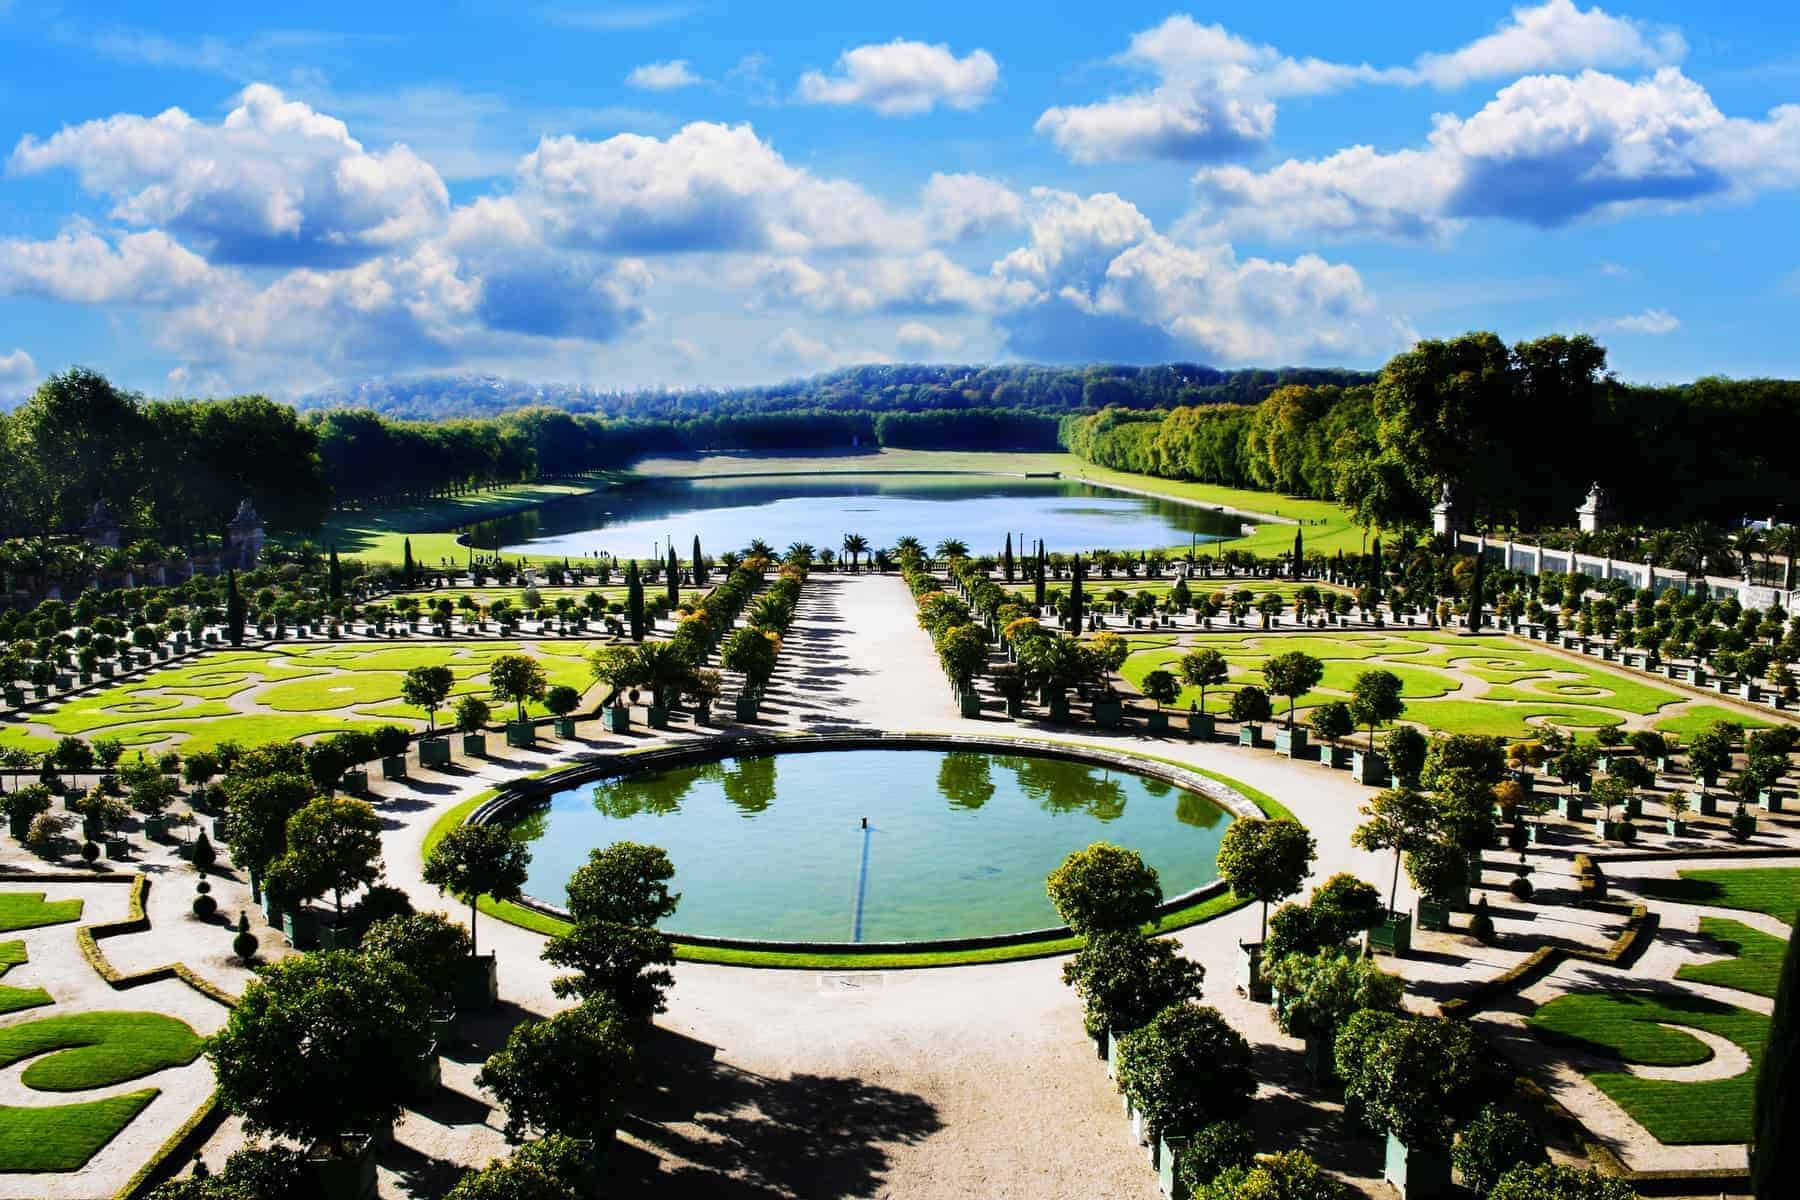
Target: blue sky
point(199, 201)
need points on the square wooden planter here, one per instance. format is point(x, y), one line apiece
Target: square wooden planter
point(1250, 734)
point(1393, 935)
point(1200, 725)
point(1416, 1174)
point(521, 734)
point(434, 752)
point(1291, 742)
point(565, 727)
point(393, 766)
point(474, 745)
point(618, 719)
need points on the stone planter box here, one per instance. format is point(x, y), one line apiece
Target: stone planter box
point(1749, 825)
point(1291, 742)
point(478, 984)
point(1248, 976)
point(657, 716)
point(1336, 757)
point(344, 1177)
point(156, 828)
point(564, 727)
point(434, 752)
point(1109, 713)
point(301, 928)
point(1200, 725)
point(968, 703)
point(1416, 1174)
point(393, 766)
point(1675, 828)
point(1368, 768)
point(118, 848)
point(1157, 722)
point(521, 734)
point(1059, 709)
point(1572, 807)
point(618, 718)
point(1393, 935)
point(1250, 734)
point(335, 937)
point(745, 708)
point(1770, 799)
point(1634, 807)
point(1615, 831)
point(355, 781)
point(474, 745)
point(1168, 1153)
point(1435, 914)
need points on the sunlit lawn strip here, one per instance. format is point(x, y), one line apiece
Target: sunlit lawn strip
point(1774, 891)
point(1755, 962)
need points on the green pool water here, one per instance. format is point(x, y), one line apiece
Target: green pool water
point(958, 844)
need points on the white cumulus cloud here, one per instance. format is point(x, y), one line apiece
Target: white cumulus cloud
point(961, 205)
point(663, 76)
point(1652, 322)
point(904, 79)
point(17, 369)
point(274, 183)
point(81, 267)
point(923, 341)
point(1554, 36)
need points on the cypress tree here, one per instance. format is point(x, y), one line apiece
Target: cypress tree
point(699, 567)
point(1075, 594)
point(406, 566)
point(1475, 589)
point(634, 601)
point(234, 610)
point(1774, 1154)
point(1375, 569)
point(1038, 577)
point(335, 588)
point(1006, 558)
point(673, 582)
point(1299, 552)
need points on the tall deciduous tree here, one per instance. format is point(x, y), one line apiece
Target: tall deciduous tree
point(1266, 860)
point(472, 861)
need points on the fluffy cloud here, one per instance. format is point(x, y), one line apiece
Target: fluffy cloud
point(964, 206)
point(663, 76)
point(1653, 322)
point(274, 183)
point(1554, 36)
point(708, 187)
point(17, 369)
point(1545, 151)
point(791, 348)
point(1097, 282)
point(903, 79)
point(923, 341)
point(927, 282)
point(81, 267)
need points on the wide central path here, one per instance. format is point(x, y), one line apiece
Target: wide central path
point(957, 1082)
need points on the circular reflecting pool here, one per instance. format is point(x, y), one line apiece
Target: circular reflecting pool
point(873, 845)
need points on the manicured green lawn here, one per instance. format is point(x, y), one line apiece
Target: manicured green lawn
point(82, 1051)
point(13, 999)
point(381, 535)
point(29, 910)
point(1771, 890)
point(1755, 965)
point(1697, 719)
point(1633, 1027)
point(64, 1137)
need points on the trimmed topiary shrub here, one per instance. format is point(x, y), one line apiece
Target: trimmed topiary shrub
point(1492, 1144)
point(1186, 1069)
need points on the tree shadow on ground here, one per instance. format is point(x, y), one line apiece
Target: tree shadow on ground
point(727, 1132)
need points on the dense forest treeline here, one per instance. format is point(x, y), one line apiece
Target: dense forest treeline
point(1518, 433)
point(881, 388)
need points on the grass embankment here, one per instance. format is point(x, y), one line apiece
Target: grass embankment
point(1771, 890)
point(873, 960)
point(1755, 962)
point(1327, 527)
point(1634, 1027)
point(379, 535)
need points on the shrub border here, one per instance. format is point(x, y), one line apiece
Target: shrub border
point(1193, 908)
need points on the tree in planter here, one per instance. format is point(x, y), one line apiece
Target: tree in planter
point(322, 1046)
point(472, 861)
point(1250, 704)
point(562, 700)
point(1400, 820)
point(1266, 861)
point(1287, 1175)
point(1162, 687)
point(623, 884)
point(1216, 1148)
point(625, 965)
point(1375, 700)
point(551, 1168)
point(752, 653)
point(1610, 792)
point(235, 610)
point(1292, 675)
point(1406, 752)
point(390, 741)
point(1417, 1078)
point(565, 1075)
point(1553, 1181)
point(963, 652)
point(1105, 889)
point(253, 1173)
point(1331, 721)
point(1320, 991)
point(260, 807)
point(634, 601)
point(23, 806)
point(427, 688)
point(1492, 1144)
point(1338, 910)
point(472, 714)
point(334, 846)
point(1124, 979)
point(430, 945)
point(516, 679)
point(1203, 669)
point(1438, 869)
point(1574, 763)
point(1186, 1069)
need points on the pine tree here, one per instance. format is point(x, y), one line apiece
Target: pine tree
point(1006, 558)
point(1038, 576)
point(234, 610)
point(634, 601)
point(699, 566)
point(335, 588)
point(1475, 589)
point(1075, 595)
point(406, 565)
point(1299, 552)
point(673, 581)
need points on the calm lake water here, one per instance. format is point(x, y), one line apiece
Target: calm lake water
point(959, 844)
point(631, 520)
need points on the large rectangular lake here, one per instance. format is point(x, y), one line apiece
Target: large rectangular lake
point(639, 519)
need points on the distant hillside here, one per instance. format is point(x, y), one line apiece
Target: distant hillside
point(886, 388)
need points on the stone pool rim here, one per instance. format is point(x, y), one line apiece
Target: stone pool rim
point(520, 793)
